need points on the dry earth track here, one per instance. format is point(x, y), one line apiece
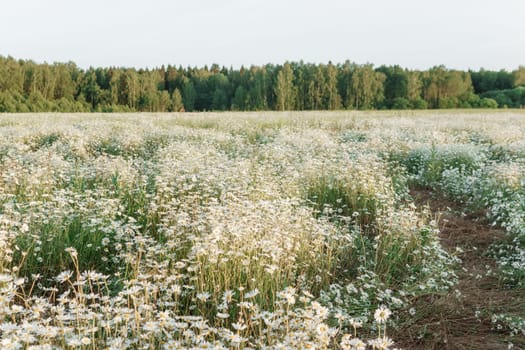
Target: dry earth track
point(449, 322)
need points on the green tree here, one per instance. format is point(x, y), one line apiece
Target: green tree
point(26, 85)
point(128, 90)
point(188, 95)
point(240, 98)
point(90, 88)
point(258, 87)
point(396, 82)
point(488, 103)
point(315, 90)
point(365, 90)
point(65, 86)
point(148, 91)
point(331, 94)
point(114, 85)
point(220, 86)
point(163, 101)
point(519, 76)
point(177, 104)
point(414, 86)
point(7, 103)
point(11, 75)
point(443, 88)
point(285, 89)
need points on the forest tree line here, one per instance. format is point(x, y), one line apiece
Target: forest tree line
point(26, 86)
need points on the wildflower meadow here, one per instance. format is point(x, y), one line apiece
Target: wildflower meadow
point(244, 230)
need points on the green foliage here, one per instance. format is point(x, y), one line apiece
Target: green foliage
point(45, 246)
point(512, 98)
point(419, 104)
point(45, 140)
point(365, 88)
point(188, 96)
point(177, 104)
point(390, 250)
point(63, 87)
point(519, 76)
point(335, 198)
point(486, 102)
point(485, 80)
point(284, 89)
point(444, 88)
point(396, 83)
point(9, 104)
point(400, 103)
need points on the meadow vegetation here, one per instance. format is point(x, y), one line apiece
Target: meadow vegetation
point(243, 230)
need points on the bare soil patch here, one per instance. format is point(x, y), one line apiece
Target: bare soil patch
point(463, 320)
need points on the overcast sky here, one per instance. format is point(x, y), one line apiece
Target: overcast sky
point(416, 34)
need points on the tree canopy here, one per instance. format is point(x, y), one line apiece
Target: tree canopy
point(26, 86)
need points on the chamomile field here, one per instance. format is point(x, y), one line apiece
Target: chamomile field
point(304, 230)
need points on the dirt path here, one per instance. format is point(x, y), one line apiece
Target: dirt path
point(449, 322)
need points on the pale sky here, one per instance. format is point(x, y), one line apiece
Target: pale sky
point(416, 34)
